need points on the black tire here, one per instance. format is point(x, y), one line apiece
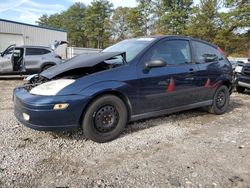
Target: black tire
point(240, 89)
point(105, 119)
point(220, 101)
point(46, 67)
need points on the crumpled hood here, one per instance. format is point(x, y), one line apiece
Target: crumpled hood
point(80, 61)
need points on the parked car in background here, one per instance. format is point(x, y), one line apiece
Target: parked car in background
point(20, 60)
point(131, 80)
point(234, 64)
point(242, 76)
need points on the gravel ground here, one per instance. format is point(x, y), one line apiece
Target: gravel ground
point(188, 149)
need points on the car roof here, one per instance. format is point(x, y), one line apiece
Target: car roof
point(30, 46)
point(166, 36)
point(178, 37)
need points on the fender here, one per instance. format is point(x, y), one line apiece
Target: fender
point(225, 78)
point(105, 86)
point(123, 90)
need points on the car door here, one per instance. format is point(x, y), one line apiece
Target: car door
point(170, 86)
point(34, 57)
point(17, 60)
point(208, 58)
point(5, 61)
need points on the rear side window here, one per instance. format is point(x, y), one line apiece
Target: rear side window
point(206, 53)
point(173, 52)
point(36, 51)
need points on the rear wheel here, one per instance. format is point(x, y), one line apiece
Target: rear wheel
point(240, 89)
point(105, 119)
point(220, 101)
point(46, 67)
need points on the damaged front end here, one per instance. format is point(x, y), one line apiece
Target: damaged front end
point(33, 81)
point(53, 80)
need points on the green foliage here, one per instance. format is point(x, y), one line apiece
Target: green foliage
point(173, 15)
point(234, 31)
point(86, 26)
point(204, 21)
point(145, 13)
point(135, 23)
point(99, 25)
point(73, 21)
point(120, 23)
point(238, 16)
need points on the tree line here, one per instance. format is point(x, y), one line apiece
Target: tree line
point(98, 25)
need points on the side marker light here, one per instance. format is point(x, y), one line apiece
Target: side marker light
point(62, 106)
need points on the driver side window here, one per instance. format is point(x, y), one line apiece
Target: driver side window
point(173, 52)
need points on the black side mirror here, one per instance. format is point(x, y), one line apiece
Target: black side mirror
point(154, 64)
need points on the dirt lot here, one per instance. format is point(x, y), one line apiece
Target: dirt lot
point(188, 149)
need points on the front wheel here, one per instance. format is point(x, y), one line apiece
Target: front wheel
point(220, 101)
point(105, 118)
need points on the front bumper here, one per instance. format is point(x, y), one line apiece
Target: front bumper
point(242, 80)
point(41, 114)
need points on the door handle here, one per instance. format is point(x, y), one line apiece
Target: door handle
point(190, 75)
point(191, 70)
point(189, 78)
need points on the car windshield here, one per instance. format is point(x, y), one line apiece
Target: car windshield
point(132, 47)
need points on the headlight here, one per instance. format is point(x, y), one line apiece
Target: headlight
point(51, 88)
point(238, 69)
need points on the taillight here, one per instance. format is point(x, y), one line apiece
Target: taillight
point(221, 51)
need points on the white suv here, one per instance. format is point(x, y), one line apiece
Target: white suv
point(17, 60)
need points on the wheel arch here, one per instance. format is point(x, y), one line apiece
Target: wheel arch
point(116, 93)
point(228, 84)
point(47, 63)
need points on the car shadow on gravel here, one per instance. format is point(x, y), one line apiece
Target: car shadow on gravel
point(234, 104)
point(246, 92)
point(140, 125)
point(70, 135)
point(15, 77)
point(175, 117)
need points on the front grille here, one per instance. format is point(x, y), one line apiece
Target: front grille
point(246, 70)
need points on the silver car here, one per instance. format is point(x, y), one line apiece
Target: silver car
point(16, 60)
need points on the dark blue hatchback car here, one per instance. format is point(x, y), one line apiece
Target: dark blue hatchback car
point(131, 80)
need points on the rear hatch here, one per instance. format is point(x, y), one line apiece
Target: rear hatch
point(57, 43)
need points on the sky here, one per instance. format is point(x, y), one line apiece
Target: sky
point(28, 11)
